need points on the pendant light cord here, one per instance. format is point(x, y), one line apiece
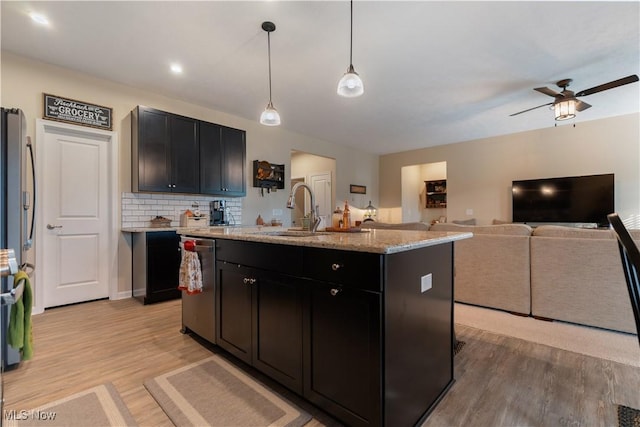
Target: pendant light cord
point(269, 49)
point(351, 38)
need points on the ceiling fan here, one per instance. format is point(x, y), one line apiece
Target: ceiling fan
point(566, 102)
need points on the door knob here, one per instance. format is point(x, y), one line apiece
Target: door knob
point(51, 227)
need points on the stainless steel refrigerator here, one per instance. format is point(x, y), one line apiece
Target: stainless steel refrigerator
point(17, 209)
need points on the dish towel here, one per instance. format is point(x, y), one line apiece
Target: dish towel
point(190, 271)
point(20, 333)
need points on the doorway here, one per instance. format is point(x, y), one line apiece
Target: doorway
point(319, 173)
point(76, 231)
point(414, 192)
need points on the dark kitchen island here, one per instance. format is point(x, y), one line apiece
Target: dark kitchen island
point(360, 324)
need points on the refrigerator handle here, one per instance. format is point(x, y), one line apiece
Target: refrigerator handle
point(28, 241)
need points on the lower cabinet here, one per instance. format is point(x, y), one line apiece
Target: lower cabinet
point(343, 351)
point(156, 266)
point(261, 321)
point(366, 337)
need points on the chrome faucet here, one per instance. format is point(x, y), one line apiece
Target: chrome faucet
point(314, 218)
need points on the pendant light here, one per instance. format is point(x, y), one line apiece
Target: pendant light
point(350, 85)
point(269, 116)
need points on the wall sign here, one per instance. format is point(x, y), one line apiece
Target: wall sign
point(77, 112)
point(357, 189)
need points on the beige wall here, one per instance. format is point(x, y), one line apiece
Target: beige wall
point(24, 81)
point(479, 173)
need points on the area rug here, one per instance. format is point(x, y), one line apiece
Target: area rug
point(628, 417)
point(213, 392)
point(97, 406)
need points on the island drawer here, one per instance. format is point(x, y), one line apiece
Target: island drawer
point(360, 270)
point(280, 258)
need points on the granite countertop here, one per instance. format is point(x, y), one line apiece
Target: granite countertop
point(147, 229)
point(375, 240)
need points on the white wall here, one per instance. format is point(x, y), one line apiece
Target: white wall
point(24, 81)
point(479, 173)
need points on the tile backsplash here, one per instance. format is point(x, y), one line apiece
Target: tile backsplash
point(139, 208)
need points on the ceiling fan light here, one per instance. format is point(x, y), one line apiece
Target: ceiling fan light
point(270, 116)
point(565, 110)
point(350, 85)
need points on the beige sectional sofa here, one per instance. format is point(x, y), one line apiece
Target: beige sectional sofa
point(576, 276)
point(492, 269)
point(552, 272)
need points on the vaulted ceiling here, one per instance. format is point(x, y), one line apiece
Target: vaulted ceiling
point(434, 72)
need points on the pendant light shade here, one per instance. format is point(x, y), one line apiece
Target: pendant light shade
point(350, 85)
point(269, 116)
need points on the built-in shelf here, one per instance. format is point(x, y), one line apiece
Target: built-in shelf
point(436, 194)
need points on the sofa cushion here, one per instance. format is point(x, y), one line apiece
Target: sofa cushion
point(505, 229)
point(398, 226)
point(579, 233)
point(576, 276)
point(492, 268)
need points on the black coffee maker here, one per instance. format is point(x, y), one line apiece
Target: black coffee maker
point(216, 213)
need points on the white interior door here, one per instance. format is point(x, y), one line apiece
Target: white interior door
point(75, 211)
point(321, 185)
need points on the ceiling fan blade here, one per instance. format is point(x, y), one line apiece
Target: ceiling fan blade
point(581, 105)
point(524, 111)
point(547, 91)
point(620, 82)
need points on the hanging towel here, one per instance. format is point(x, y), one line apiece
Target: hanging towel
point(190, 271)
point(20, 334)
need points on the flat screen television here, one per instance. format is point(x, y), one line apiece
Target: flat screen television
point(574, 199)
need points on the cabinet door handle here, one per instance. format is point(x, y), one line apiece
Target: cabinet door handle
point(336, 267)
point(335, 291)
point(245, 280)
point(252, 281)
point(169, 185)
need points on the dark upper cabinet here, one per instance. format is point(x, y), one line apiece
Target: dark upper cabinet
point(184, 154)
point(177, 154)
point(222, 160)
point(164, 150)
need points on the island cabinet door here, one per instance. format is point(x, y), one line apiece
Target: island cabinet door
point(277, 328)
point(234, 309)
point(342, 352)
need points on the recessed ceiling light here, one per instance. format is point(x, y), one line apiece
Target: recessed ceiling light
point(176, 68)
point(39, 18)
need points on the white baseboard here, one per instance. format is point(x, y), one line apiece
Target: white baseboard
point(122, 295)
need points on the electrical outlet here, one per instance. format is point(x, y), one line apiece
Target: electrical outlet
point(426, 283)
point(469, 211)
point(277, 212)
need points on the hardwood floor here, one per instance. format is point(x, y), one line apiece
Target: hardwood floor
point(501, 381)
point(123, 342)
point(505, 381)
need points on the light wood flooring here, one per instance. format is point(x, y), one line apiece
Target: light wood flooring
point(500, 381)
